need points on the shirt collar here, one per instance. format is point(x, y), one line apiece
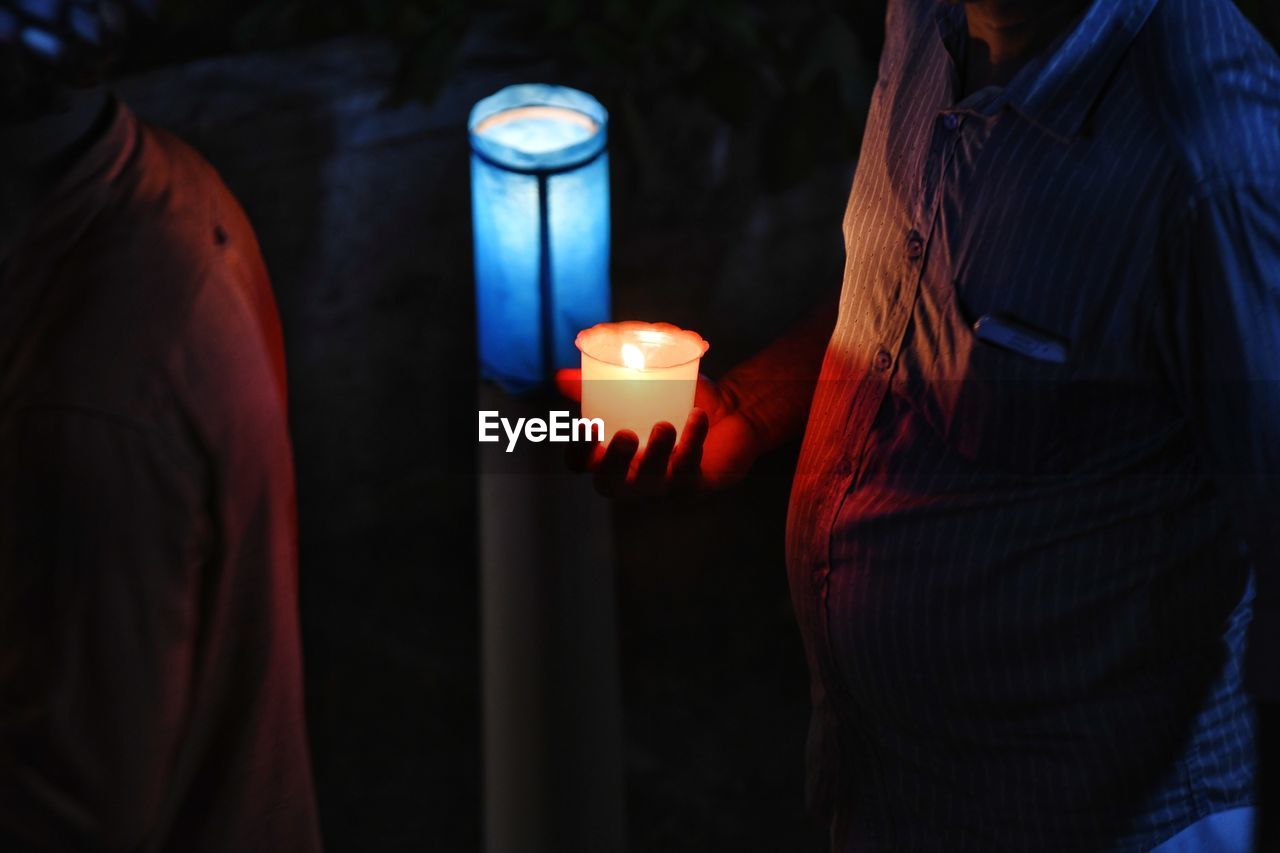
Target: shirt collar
point(1057, 90)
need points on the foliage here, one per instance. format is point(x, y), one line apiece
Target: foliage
point(793, 73)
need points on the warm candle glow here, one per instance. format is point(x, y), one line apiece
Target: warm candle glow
point(635, 375)
point(632, 357)
point(538, 129)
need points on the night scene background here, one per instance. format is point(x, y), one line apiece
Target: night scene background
point(341, 127)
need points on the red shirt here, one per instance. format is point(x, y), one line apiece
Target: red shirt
point(150, 663)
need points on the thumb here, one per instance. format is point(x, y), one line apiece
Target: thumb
point(569, 383)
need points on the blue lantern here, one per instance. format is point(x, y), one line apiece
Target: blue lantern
point(540, 216)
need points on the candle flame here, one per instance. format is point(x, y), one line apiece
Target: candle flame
point(633, 356)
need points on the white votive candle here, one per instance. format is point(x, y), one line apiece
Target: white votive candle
point(635, 375)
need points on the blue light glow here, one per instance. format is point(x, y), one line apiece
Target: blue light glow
point(45, 10)
point(540, 216)
point(44, 43)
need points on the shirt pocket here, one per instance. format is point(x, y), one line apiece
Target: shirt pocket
point(1008, 410)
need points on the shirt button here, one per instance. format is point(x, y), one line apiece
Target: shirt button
point(951, 121)
point(883, 360)
point(915, 245)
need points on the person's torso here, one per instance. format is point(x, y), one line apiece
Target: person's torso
point(1005, 554)
point(143, 304)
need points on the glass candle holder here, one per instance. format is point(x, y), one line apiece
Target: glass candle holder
point(635, 375)
point(540, 220)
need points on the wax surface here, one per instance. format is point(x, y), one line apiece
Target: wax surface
point(538, 129)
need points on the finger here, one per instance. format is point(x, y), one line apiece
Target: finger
point(706, 395)
point(569, 383)
point(686, 462)
point(651, 473)
point(611, 473)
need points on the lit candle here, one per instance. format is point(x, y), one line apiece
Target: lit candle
point(540, 220)
point(635, 375)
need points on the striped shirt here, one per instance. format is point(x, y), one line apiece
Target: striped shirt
point(1040, 458)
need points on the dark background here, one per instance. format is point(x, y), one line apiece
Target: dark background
point(341, 127)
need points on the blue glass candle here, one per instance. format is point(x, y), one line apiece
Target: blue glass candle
point(540, 217)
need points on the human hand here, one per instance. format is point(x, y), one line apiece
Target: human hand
point(715, 449)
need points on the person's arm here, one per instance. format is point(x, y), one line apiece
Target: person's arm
point(757, 406)
point(102, 532)
point(774, 388)
point(1227, 319)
